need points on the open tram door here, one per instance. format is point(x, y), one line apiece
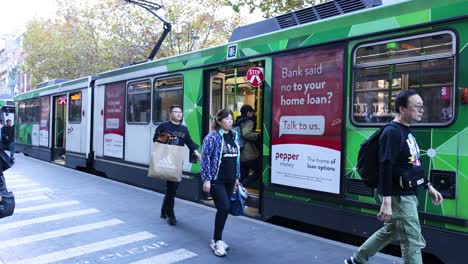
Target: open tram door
point(229, 87)
point(58, 130)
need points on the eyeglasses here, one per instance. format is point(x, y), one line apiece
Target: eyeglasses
point(177, 112)
point(420, 108)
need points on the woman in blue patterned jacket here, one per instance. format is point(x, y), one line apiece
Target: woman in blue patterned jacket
point(220, 172)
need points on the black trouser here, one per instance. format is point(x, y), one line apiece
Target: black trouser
point(221, 193)
point(246, 166)
point(168, 203)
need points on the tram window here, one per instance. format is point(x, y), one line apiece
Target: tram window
point(139, 102)
point(21, 112)
point(382, 70)
point(34, 112)
point(216, 96)
point(74, 108)
point(434, 44)
point(28, 111)
point(167, 92)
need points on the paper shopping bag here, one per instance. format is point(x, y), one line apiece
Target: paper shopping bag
point(166, 162)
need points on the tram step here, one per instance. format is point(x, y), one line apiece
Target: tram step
point(59, 161)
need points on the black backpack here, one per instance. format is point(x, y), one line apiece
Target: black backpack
point(7, 203)
point(368, 159)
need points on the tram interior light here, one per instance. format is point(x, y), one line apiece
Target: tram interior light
point(142, 85)
point(392, 45)
point(464, 96)
point(76, 96)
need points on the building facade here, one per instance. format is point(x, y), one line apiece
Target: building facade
point(12, 78)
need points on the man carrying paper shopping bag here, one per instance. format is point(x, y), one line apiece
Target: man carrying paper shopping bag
point(169, 139)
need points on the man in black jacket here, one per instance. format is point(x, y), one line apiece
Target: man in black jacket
point(181, 137)
point(8, 138)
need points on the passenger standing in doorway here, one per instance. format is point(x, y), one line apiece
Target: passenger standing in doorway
point(8, 138)
point(179, 136)
point(220, 172)
point(400, 173)
point(249, 153)
point(1, 125)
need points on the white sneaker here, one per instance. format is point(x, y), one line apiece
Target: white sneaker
point(225, 245)
point(218, 248)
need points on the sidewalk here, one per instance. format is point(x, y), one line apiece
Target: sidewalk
point(67, 216)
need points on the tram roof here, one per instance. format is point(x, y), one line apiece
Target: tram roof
point(393, 14)
point(55, 88)
point(396, 14)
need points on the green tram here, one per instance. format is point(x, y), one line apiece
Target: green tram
point(322, 80)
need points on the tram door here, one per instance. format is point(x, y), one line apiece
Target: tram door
point(59, 133)
point(228, 88)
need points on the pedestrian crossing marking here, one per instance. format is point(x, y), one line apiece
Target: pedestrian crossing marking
point(32, 191)
point(31, 199)
point(86, 249)
point(45, 206)
point(58, 233)
point(10, 225)
point(9, 178)
point(167, 258)
point(13, 186)
point(18, 180)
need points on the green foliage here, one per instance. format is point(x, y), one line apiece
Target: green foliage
point(85, 40)
point(271, 8)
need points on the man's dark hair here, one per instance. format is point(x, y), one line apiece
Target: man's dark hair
point(174, 106)
point(402, 99)
point(220, 115)
point(245, 109)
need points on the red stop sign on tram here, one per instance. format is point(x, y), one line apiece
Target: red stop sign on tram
point(255, 76)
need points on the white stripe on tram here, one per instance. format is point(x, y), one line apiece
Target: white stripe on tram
point(58, 233)
point(85, 249)
point(169, 257)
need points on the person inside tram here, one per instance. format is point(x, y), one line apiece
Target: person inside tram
point(1, 125)
point(249, 157)
point(8, 138)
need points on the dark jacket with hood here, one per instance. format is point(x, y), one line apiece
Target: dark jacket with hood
point(8, 134)
point(247, 125)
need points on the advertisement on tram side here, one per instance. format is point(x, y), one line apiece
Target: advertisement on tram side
point(44, 122)
point(114, 120)
point(307, 119)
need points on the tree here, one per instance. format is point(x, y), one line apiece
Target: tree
point(197, 20)
point(87, 40)
point(271, 8)
point(59, 48)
